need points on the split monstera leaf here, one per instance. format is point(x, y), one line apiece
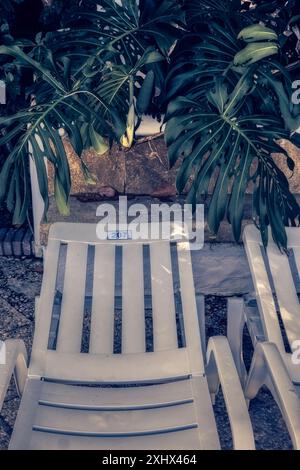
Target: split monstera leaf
point(218, 71)
point(262, 43)
point(94, 78)
point(229, 107)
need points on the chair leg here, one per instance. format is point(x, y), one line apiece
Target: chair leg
point(221, 371)
point(201, 319)
point(268, 369)
point(235, 327)
point(36, 307)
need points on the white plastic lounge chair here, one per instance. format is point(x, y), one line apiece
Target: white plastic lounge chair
point(170, 407)
point(270, 318)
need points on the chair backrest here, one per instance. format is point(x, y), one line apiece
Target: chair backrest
point(273, 271)
point(119, 291)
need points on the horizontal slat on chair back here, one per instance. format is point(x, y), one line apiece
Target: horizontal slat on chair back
point(115, 368)
point(283, 281)
point(88, 233)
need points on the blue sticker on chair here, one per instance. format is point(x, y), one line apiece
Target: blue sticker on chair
point(120, 235)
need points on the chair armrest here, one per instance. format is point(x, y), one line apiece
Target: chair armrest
point(221, 370)
point(268, 369)
point(15, 363)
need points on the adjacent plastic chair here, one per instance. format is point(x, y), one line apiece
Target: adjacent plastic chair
point(272, 316)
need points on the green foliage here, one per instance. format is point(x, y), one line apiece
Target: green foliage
point(220, 71)
point(229, 94)
point(93, 78)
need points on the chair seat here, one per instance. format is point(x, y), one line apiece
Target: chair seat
point(174, 415)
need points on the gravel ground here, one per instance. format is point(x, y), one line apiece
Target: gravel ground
point(20, 281)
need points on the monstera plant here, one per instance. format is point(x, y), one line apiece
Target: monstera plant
point(94, 78)
point(229, 94)
point(220, 71)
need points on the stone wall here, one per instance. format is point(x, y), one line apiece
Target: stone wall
point(142, 173)
point(144, 170)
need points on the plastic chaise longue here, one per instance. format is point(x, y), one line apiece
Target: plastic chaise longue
point(273, 322)
point(63, 404)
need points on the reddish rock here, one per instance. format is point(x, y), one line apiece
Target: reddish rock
point(164, 191)
point(106, 192)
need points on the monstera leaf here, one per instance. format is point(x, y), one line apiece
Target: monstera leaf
point(38, 129)
point(245, 11)
point(112, 42)
point(93, 79)
point(220, 69)
point(224, 120)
